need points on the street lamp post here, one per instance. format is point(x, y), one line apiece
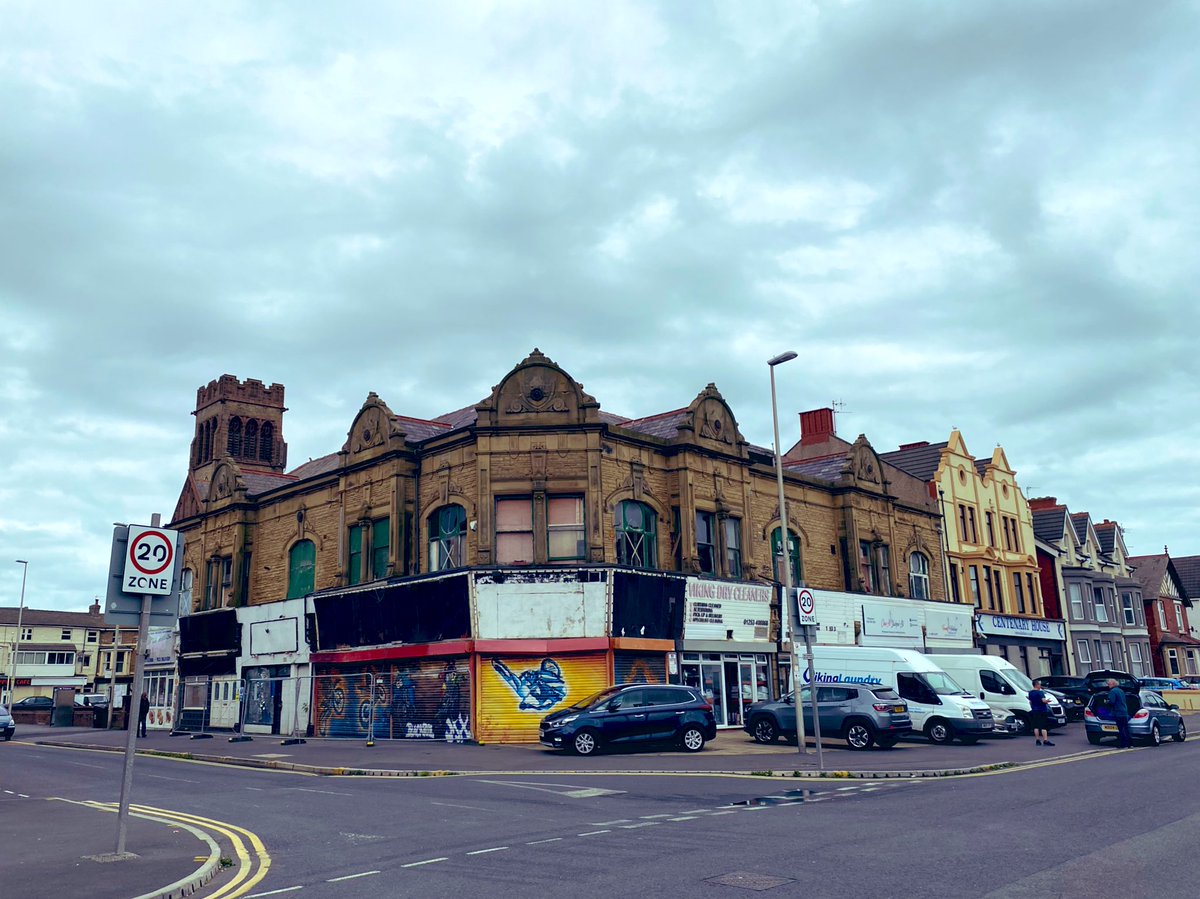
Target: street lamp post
point(12, 677)
point(785, 543)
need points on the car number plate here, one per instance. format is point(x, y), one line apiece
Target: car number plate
point(899, 708)
point(1111, 728)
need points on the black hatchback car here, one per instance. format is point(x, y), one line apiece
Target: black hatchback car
point(1073, 690)
point(632, 715)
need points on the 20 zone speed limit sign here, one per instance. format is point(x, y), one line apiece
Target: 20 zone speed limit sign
point(806, 606)
point(150, 560)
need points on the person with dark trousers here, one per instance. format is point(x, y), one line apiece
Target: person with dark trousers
point(1039, 715)
point(1118, 707)
point(143, 714)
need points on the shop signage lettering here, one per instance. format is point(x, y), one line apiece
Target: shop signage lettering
point(868, 680)
point(720, 611)
point(880, 620)
point(1021, 627)
point(946, 626)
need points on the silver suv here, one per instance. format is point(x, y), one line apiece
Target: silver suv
point(864, 716)
point(7, 726)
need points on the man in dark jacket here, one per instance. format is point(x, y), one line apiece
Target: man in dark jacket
point(144, 713)
point(1118, 707)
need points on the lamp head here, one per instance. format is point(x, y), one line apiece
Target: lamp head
point(781, 358)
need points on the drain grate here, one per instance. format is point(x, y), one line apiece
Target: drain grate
point(748, 880)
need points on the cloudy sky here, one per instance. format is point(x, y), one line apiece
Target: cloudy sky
point(972, 215)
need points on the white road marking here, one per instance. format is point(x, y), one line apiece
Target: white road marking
point(486, 851)
point(428, 861)
point(756, 808)
point(275, 892)
point(573, 791)
point(351, 876)
point(651, 817)
point(452, 805)
point(10, 792)
point(698, 811)
point(643, 824)
point(854, 787)
point(610, 823)
point(714, 814)
point(86, 765)
point(326, 792)
point(685, 818)
point(592, 833)
point(180, 779)
point(537, 842)
point(22, 795)
point(257, 790)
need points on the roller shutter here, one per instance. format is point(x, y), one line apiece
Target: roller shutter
point(640, 667)
point(517, 692)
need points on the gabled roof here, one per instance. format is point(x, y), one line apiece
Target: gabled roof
point(1049, 525)
point(1188, 569)
point(981, 466)
point(50, 618)
point(918, 459)
point(1106, 534)
point(1079, 521)
point(1149, 571)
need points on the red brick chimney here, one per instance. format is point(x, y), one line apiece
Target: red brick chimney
point(94, 608)
point(1041, 503)
point(816, 425)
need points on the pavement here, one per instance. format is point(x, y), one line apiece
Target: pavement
point(75, 841)
point(732, 752)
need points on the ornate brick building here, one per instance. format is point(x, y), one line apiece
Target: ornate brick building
point(528, 548)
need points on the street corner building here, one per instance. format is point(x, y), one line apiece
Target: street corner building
point(459, 578)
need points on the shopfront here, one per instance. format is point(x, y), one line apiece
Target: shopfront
point(160, 679)
point(1034, 645)
point(726, 649)
point(274, 669)
point(209, 645)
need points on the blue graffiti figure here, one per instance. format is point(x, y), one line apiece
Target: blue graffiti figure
point(538, 688)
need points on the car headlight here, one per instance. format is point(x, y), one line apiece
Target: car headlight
point(567, 720)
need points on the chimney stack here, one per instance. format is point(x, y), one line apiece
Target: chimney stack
point(816, 425)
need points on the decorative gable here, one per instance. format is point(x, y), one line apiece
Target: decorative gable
point(864, 466)
point(190, 502)
point(227, 486)
point(375, 430)
point(537, 392)
point(710, 422)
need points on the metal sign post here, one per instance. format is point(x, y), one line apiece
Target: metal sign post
point(803, 613)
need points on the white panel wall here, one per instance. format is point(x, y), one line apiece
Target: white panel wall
point(540, 611)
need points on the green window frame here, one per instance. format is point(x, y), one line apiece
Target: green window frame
point(793, 555)
point(637, 538)
point(302, 568)
point(381, 545)
point(354, 554)
point(447, 538)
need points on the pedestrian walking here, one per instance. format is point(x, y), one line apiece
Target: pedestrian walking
point(143, 714)
point(1118, 707)
point(1039, 714)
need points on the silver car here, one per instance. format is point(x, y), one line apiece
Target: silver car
point(1150, 719)
point(864, 716)
point(7, 725)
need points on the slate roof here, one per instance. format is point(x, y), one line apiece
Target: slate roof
point(1149, 571)
point(50, 618)
point(1079, 521)
point(418, 429)
point(824, 468)
point(314, 467)
point(257, 482)
point(919, 461)
point(664, 424)
point(1049, 524)
point(459, 418)
point(1106, 533)
point(981, 466)
point(1188, 569)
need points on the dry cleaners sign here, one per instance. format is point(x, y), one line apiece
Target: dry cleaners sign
point(715, 610)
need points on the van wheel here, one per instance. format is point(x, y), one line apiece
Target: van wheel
point(939, 732)
point(1023, 721)
point(764, 730)
point(860, 735)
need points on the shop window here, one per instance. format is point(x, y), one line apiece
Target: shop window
point(302, 566)
point(514, 531)
point(381, 545)
point(637, 544)
point(793, 555)
point(565, 540)
point(918, 576)
point(447, 538)
point(1018, 592)
point(706, 544)
point(733, 547)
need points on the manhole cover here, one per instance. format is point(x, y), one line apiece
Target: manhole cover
point(748, 880)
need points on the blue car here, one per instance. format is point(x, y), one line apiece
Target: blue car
point(1150, 719)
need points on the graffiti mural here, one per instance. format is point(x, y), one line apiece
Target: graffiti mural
point(516, 692)
point(421, 700)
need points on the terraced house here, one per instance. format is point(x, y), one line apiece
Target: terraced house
point(1087, 578)
point(1176, 651)
point(459, 577)
point(990, 552)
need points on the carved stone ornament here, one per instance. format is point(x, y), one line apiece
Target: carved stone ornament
point(224, 483)
point(369, 431)
point(713, 426)
point(537, 390)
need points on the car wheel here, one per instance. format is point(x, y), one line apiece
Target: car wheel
point(860, 735)
point(1155, 735)
point(586, 742)
point(1181, 734)
point(692, 739)
point(939, 732)
point(764, 730)
point(1023, 722)
point(1094, 739)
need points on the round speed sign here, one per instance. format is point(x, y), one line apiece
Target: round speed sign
point(151, 552)
point(806, 602)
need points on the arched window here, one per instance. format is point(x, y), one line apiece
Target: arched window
point(266, 442)
point(918, 576)
point(210, 440)
point(234, 443)
point(250, 441)
point(447, 538)
point(637, 545)
point(302, 568)
point(793, 556)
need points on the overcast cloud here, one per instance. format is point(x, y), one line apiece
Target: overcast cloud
point(973, 215)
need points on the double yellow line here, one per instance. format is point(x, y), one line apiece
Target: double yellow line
point(252, 868)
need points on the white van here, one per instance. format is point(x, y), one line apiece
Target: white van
point(1000, 684)
point(939, 707)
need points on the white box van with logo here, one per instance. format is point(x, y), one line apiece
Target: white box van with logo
point(1000, 684)
point(939, 707)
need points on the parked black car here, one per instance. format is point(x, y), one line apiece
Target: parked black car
point(1097, 681)
point(34, 702)
point(1072, 692)
point(632, 715)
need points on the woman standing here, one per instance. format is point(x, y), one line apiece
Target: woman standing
point(1038, 714)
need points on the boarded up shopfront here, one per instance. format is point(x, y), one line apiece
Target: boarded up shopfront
point(414, 699)
point(517, 692)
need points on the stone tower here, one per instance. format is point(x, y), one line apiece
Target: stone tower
point(241, 421)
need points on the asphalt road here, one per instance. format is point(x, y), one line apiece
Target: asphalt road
point(1112, 823)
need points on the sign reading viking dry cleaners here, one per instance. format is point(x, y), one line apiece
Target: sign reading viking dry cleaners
point(716, 610)
point(880, 620)
point(1004, 625)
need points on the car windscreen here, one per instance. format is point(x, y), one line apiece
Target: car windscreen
point(1018, 679)
point(597, 697)
point(940, 682)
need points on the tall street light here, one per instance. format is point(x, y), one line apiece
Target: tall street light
point(786, 565)
point(12, 677)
